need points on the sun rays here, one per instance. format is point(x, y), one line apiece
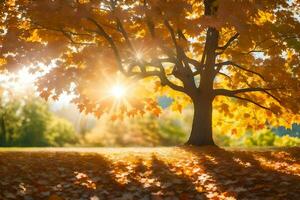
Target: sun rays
point(118, 91)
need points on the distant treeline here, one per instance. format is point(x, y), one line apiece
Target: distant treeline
point(28, 122)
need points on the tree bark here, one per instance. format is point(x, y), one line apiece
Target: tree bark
point(201, 133)
point(3, 132)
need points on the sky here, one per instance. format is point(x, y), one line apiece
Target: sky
point(22, 83)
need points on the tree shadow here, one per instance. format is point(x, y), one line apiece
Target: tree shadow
point(210, 172)
point(84, 176)
point(172, 183)
point(131, 175)
point(154, 179)
point(67, 175)
point(287, 157)
point(229, 169)
point(294, 153)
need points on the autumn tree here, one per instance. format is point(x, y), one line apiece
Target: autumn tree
point(240, 57)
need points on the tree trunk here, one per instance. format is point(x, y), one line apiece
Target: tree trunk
point(3, 132)
point(201, 133)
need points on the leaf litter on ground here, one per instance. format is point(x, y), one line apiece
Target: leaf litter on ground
point(175, 173)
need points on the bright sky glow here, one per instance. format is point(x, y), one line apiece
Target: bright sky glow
point(118, 91)
point(139, 55)
point(20, 82)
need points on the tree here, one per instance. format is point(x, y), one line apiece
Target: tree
point(139, 131)
point(9, 121)
point(34, 124)
point(231, 55)
point(40, 127)
point(60, 132)
point(28, 122)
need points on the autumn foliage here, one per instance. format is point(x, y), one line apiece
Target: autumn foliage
point(150, 174)
point(236, 61)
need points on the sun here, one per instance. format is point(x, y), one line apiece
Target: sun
point(118, 91)
point(139, 55)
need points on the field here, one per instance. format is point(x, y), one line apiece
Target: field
point(149, 173)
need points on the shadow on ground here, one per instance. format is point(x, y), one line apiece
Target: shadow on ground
point(158, 173)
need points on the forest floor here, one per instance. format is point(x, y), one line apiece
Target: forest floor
point(181, 173)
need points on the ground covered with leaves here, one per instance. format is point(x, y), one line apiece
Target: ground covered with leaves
point(149, 173)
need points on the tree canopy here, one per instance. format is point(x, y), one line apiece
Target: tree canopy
point(226, 53)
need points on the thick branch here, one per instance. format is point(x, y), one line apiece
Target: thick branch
point(124, 33)
point(164, 78)
point(151, 27)
point(109, 39)
point(172, 33)
point(127, 40)
point(209, 53)
point(120, 26)
point(181, 56)
point(149, 22)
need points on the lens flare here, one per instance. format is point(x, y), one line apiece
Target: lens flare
point(118, 91)
point(139, 55)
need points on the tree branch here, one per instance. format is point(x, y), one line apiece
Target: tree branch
point(229, 42)
point(151, 27)
point(226, 92)
point(181, 56)
point(225, 75)
point(120, 27)
point(220, 65)
point(255, 50)
point(172, 33)
point(109, 39)
point(253, 102)
point(124, 33)
point(161, 75)
point(67, 34)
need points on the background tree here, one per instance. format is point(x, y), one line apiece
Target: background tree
point(60, 132)
point(143, 131)
point(28, 122)
point(34, 124)
point(9, 121)
point(233, 55)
